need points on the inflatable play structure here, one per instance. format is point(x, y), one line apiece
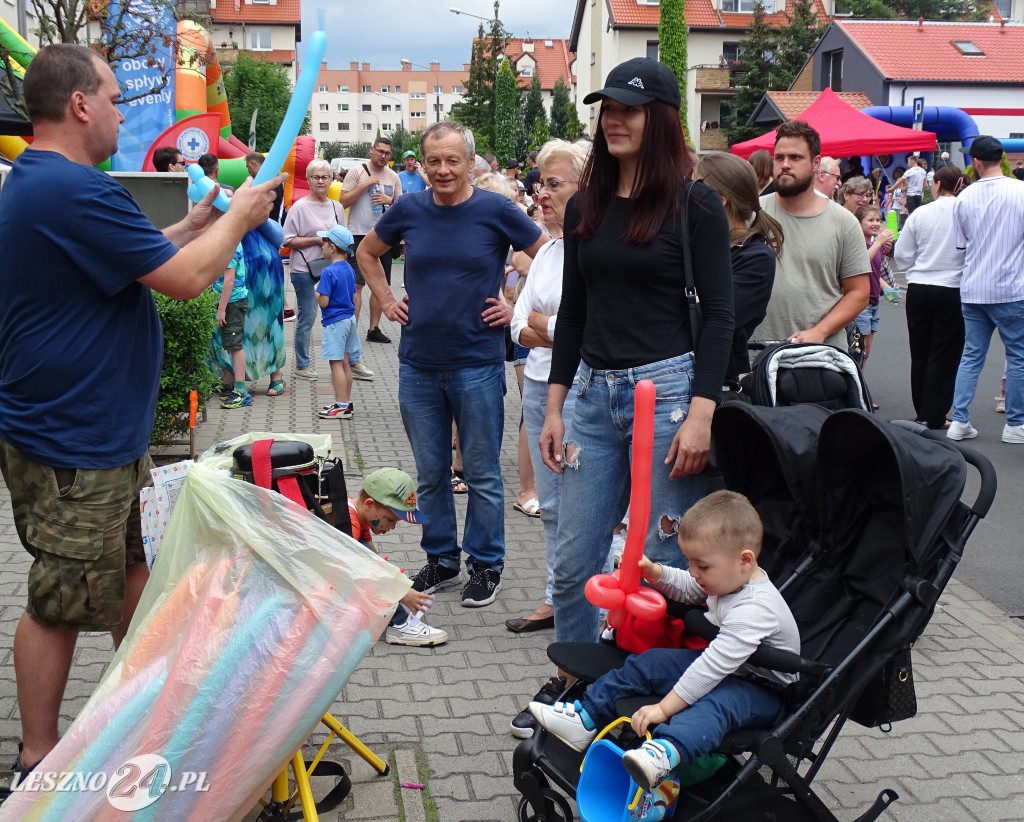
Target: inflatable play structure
point(201, 122)
point(945, 122)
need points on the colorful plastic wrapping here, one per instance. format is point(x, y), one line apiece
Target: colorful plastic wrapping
point(254, 617)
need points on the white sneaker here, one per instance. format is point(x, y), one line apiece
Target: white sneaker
point(361, 372)
point(650, 763)
point(562, 720)
point(306, 373)
point(421, 635)
point(1013, 434)
point(1000, 405)
point(961, 431)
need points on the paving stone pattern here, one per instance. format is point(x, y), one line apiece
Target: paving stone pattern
point(440, 716)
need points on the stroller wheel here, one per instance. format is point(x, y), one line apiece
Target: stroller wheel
point(556, 809)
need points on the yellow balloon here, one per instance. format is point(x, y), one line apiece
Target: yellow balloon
point(334, 191)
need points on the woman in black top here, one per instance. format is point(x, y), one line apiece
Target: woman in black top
point(624, 313)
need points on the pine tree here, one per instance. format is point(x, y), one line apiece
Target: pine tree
point(757, 72)
point(476, 111)
point(534, 103)
point(506, 106)
point(574, 128)
point(672, 45)
point(539, 134)
point(560, 108)
point(796, 41)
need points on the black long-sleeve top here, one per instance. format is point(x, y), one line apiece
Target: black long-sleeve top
point(624, 305)
point(753, 274)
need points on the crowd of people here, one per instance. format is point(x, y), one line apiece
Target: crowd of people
point(594, 290)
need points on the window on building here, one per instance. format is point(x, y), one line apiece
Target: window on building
point(439, 108)
point(652, 50)
point(398, 106)
point(834, 67)
point(385, 108)
point(1003, 7)
point(264, 2)
point(367, 107)
point(322, 88)
point(385, 89)
point(343, 127)
point(593, 59)
point(398, 89)
point(325, 126)
point(457, 90)
point(526, 71)
point(259, 40)
point(385, 126)
point(438, 90)
point(323, 107)
point(593, 114)
point(367, 90)
point(342, 89)
point(415, 114)
point(368, 126)
point(417, 95)
point(747, 6)
point(731, 52)
point(342, 106)
point(967, 48)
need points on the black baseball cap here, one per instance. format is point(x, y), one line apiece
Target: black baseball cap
point(987, 149)
point(638, 82)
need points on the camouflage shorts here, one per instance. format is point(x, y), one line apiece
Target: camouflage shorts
point(82, 527)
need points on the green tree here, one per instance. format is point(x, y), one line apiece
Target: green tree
point(402, 140)
point(332, 149)
point(672, 46)
point(476, 111)
point(560, 108)
point(506, 106)
point(757, 70)
point(795, 41)
point(539, 134)
point(254, 84)
point(534, 107)
point(950, 10)
point(574, 128)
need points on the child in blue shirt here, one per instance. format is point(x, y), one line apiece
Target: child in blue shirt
point(231, 310)
point(335, 292)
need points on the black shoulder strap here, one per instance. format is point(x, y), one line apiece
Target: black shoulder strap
point(696, 317)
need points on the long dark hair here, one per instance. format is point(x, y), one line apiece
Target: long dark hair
point(664, 166)
point(951, 180)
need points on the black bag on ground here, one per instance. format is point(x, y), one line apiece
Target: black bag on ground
point(890, 696)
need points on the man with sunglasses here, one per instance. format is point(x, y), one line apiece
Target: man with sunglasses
point(367, 191)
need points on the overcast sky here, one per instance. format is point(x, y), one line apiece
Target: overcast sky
point(382, 32)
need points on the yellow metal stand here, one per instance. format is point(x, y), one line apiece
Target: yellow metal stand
point(283, 798)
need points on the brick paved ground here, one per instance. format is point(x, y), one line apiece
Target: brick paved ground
point(441, 715)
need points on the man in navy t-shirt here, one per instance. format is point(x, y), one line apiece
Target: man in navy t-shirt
point(452, 351)
point(80, 356)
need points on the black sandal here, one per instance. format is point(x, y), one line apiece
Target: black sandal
point(459, 485)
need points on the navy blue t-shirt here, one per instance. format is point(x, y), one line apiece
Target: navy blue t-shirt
point(80, 340)
point(455, 260)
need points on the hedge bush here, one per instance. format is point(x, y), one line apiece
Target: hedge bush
point(188, 328)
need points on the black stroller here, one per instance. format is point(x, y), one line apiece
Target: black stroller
point(863, 529)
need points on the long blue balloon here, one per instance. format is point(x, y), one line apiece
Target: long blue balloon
point(297, 109)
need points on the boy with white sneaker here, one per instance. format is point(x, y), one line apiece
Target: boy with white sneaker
point(389, 495)
point(709, 692)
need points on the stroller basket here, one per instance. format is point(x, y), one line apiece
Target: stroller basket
point(883, 503)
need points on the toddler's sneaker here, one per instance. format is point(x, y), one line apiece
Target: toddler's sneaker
point(420, 635)
point(336, 411)
point(651, 762)
point(562, 720)
point(524, 723)
point(433, 577)
point(361, 372)
point(236, 399)
point(1013, 434)
point(961, 431)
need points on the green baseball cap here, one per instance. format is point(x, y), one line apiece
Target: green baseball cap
point(409, 154)
point(395, 489)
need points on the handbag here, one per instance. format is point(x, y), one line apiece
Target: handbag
point(889, 696)
point(316, 268)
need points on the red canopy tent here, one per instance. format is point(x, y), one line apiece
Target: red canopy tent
point(845, 132)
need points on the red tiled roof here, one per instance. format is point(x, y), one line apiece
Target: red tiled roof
point(285, 11)
point(699, 14)
point(792, 103)
point(551, 62)
point(905, 50)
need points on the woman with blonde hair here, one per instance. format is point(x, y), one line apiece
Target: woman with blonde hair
point(756, 243)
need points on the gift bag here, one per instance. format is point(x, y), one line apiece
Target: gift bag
point(254, 617)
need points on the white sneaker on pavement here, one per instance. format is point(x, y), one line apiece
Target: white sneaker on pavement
point(1013, 434)
point(361, 372)
point(961, 431)
point(562, 720)
point(306, 373)
point(420, 635)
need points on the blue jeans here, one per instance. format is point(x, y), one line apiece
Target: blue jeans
point(734, 704)
point(547, 482)
point(980, 320)
point(596, 482)
point(305, 315)
point(474, 398)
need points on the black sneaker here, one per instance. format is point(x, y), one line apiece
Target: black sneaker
point(482, 588)
point(524, 724)
point(433, 577)
point(376, 335)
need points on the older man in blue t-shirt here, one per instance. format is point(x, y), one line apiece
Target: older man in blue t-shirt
point(80, 355)
point(452, 351)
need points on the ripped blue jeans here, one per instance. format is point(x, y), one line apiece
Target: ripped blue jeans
point(596, 482)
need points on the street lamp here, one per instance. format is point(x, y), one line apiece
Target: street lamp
point(454, 10)
point(437, 85)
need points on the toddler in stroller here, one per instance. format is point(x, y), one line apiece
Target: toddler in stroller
point(711, 692)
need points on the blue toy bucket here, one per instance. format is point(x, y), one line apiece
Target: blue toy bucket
point(607, 793)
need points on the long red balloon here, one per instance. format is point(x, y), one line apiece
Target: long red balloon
point(620, 591)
